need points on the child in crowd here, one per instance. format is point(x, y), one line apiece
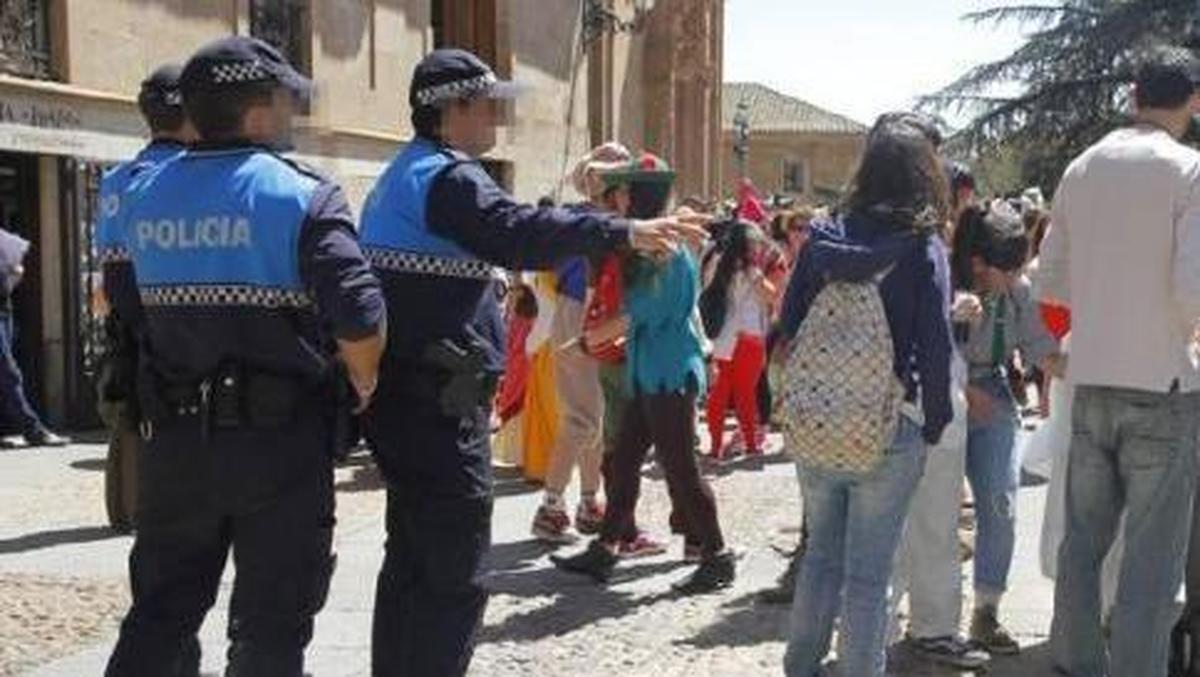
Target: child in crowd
point(666, 376)
point(578, 442)
point(520, 312)
point(739, 348)
point(991, 249)
point(605, 332)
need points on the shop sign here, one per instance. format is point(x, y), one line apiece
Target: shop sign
point(43, 116)
point(47, 123)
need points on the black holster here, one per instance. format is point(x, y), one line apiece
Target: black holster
point(116, 376)
point(463, 382)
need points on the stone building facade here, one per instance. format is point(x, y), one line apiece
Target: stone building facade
point(795, 148)
point(70, 70)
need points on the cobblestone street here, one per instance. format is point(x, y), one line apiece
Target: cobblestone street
point(62, 575)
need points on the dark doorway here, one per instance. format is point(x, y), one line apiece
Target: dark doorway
point(83, 328)
point(473, 26)
point(19, 199)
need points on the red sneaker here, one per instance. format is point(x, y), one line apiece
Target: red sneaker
point(552, 525)
point(589, 517)
point(641, 546)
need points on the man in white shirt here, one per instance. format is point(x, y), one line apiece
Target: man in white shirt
point(1123, 253)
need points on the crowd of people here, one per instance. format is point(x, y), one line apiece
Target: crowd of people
point(979, 295)
point(891, 337)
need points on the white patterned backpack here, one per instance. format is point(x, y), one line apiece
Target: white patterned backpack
point(840, 398)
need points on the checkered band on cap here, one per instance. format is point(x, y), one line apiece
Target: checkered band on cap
point(425, 264)
point(239, 71)
point(459, 89)
point(112, 255)
point(224, 295)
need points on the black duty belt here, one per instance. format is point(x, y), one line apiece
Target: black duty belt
point(230, 398)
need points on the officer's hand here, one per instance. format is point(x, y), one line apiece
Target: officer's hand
point(364, 389)
point(661, 235)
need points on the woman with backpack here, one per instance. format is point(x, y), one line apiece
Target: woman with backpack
point(991, 249)
point(867, 377)
point(741, 287)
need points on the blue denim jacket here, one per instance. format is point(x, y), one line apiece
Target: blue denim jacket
point(916, 297)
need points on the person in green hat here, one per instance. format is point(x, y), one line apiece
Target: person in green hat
point(666, 374)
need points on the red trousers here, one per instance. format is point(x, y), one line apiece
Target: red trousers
point(737, 379)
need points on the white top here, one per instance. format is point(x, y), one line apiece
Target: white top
point(1123, 252)
point(746, 313)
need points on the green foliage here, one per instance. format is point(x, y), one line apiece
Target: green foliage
point(1071, 77)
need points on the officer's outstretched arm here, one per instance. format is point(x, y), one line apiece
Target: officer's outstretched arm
point(465, 205)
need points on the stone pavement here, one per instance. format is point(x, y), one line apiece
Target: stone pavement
point(62, 576)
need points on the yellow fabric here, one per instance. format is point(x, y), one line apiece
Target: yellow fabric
point(540, 415)
point(539, 418)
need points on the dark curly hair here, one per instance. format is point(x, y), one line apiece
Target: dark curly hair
point(899, 180)
point(999, 239)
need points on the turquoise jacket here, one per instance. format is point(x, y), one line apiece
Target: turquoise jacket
point(664, 351)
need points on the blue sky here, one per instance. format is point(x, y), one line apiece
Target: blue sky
point(859, 57)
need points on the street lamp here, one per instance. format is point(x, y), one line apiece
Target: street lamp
point(741, 135)
point(598, 19)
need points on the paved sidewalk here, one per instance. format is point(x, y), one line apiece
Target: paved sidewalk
point(65, 573)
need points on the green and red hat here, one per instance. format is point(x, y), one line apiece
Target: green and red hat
point(645, 168)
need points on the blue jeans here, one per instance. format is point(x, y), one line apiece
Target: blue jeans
point(994, 471)
point(17, 413)
point(1131, 451)
point(854, 525)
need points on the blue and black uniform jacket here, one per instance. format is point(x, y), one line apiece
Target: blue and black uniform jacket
point(242, 256)
point(435, 228)
point(115, 266)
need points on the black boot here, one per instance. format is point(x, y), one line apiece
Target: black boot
point(596, 561)
point(714, 573)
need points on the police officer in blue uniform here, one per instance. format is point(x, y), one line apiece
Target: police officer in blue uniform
point(252, 290)
point(161, 105)
point(434, 227)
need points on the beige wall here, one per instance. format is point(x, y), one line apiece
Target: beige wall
point(629, 109)
point(112, 44)
point(830, 159)
point(342, 62)
point(551, 119)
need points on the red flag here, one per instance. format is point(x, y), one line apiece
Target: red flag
point(750, 206)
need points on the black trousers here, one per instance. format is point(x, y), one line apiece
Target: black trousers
point(267, 496)
point(429, 598)
point(668, 422)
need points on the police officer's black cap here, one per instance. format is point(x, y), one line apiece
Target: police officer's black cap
point(161, 88)
point(452, 74)
point(237, 61)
